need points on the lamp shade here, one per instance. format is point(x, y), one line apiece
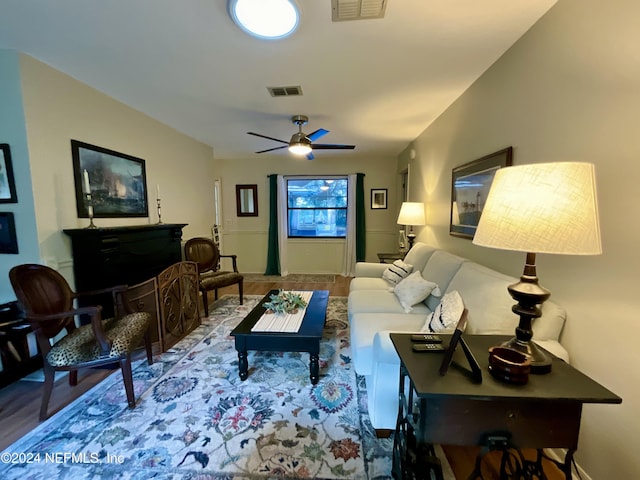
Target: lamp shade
point(542, 208)
point(411, 213)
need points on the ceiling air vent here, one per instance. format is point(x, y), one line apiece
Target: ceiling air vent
point(357, 9)
point(285, 91)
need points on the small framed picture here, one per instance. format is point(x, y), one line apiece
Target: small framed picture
point(8, 238)
point(378, 198)
point(7, 182)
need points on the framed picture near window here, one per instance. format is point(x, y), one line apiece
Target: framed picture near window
point(117, 182)
point(378, 198)
point(8, 237)
point(470, 185)
point(7, 182)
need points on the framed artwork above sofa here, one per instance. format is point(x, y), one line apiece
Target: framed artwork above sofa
point(470, 185)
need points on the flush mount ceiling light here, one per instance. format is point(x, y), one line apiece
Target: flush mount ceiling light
point(269, 19)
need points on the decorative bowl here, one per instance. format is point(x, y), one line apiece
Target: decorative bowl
point(509, 365)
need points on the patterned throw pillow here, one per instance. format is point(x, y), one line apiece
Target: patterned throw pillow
point(396, 272)
point(445, 316)
point(413, 290)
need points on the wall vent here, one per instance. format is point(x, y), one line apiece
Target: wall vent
point(342, 10)
point(285, 91)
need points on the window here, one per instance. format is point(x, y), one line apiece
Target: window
point(317, 207)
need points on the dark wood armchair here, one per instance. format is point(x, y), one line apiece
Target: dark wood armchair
point(48, 303)
point(205, 253)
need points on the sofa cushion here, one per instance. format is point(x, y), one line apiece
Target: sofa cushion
point(440, 269)
point(397, 271)
point(486, 297)
point(446, 315)
point(413, 290)
point(419, 255)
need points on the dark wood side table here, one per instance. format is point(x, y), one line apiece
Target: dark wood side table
point(390, 257)
point(452, 410)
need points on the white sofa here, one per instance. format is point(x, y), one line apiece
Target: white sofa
point(374, 312)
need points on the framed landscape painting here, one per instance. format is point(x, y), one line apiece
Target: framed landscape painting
point(117, 181)
point(470, 185)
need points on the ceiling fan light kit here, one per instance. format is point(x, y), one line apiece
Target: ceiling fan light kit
point(301, 143)
point(266, 19)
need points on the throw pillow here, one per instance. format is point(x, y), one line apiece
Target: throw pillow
point(445, 316)
point(414, 289)
point(397, 271)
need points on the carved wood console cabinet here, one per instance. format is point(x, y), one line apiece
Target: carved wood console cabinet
point(104, 257)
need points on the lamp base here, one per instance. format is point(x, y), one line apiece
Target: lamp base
point(530, 295)
point(540, 361)
point(411, 237)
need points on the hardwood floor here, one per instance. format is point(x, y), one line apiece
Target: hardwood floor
point(20, 401)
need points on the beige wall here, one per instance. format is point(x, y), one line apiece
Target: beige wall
point(57, 109)
point(247, 236)
point(569, 90)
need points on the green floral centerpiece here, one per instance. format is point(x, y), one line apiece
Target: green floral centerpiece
point(285, 302)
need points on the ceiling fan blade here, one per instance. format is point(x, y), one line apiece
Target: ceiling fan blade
point(321, 132)
point(268, 138)
point(272, 149)
point(310, 156)
point(331, 146)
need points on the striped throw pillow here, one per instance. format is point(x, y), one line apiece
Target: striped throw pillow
point(397, 271)
point(446, 315)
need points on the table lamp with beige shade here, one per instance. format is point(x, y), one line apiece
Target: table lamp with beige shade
point(411, 213)
point(539, 208)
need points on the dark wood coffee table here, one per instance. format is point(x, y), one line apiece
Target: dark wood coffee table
point(306, 339)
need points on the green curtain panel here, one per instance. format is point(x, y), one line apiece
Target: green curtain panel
point(273, 253)
point(361, 241)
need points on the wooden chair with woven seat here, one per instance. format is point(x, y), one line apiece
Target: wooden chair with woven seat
point(205, 253)
point(48, 304)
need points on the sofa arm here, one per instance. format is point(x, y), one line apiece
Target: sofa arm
point(370, 269)
point(554, 347)
point(383, 349)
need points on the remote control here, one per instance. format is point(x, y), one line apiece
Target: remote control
point(427, 347)
point(426, 338)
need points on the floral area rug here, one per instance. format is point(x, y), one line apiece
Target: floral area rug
point(195, 418)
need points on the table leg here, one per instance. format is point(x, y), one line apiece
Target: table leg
point(243, 364)
point(564, 466)
point(314, 368)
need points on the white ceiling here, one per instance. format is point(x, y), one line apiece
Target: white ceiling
point(373, 83)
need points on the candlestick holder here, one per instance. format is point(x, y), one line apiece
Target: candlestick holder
point(159, 212)
point(89, 202)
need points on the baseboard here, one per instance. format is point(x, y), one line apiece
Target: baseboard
point(558, 455)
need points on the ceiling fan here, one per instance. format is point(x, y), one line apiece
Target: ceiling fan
point(301, 143)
